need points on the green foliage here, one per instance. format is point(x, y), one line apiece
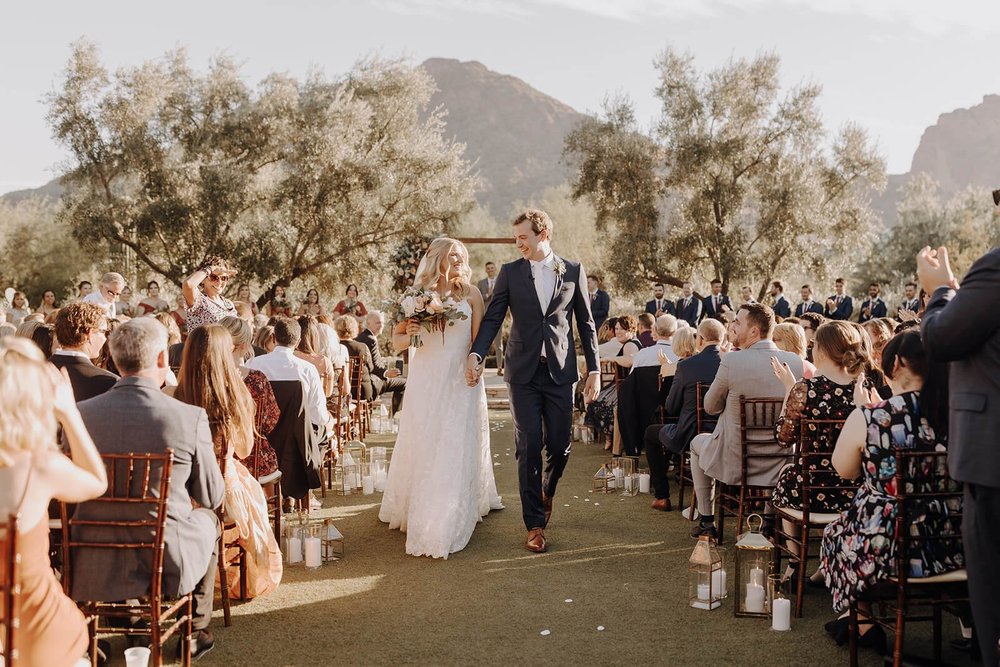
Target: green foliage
point(732, 183)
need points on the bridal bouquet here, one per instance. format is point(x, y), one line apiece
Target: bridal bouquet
point(428, 309)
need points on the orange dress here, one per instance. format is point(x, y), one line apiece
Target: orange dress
point(52, 631)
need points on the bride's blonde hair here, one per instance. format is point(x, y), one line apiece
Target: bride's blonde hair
point(429, 271)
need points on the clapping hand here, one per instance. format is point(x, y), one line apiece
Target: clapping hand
point(907, 315)
point(783, 373)
point(862, 395)
point(934, 269)
point(665, 362)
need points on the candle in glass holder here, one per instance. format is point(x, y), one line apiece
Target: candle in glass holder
point(755, 599)
point(314, 551)
point(781, 616)
point(703, 592)
point(757, 576)
point(294, 549)
point(644, 482)
point(719, 583)
point(368, 485)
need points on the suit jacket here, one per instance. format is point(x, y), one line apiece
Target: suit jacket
point(638, 399)
point(841, 312)
point(295, 441)
point(682, 401)
point(709, 305)
point(912, 305)
point(878, 309)
point(963, 327)
point(87, 379)
point(534, 334)
point(368, 339)
point(666, 307)
point(744, 373)
point(135, 416)
point(356, 348)
point(692, 313)
point(814, 307)
point(782, 308)
point(484, 289)
point(600, 307)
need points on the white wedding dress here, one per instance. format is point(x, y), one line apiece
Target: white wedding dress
point(441, 480)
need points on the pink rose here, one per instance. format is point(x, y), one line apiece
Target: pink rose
point(435, 306)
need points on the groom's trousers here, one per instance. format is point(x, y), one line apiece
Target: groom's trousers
point(543, 419)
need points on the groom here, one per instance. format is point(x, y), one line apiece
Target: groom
point(543, 292)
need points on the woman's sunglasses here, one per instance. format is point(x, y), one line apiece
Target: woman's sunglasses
point(219, 279)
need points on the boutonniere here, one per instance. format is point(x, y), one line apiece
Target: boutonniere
point(560, 267)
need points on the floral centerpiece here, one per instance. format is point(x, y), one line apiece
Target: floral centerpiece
point(427, 308)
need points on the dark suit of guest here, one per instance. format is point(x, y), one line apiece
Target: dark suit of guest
point(665, 307)
point(782, 308)
point(808, 307)
point(358, 349)
point(689, 309)
point(135, 416)
point(963, 327)
point(876, 308)
point(486, 289)
point(842, 308)
point(380, 383)
point(600, 307)
point(87, 379)
point(912, 305)
point(682, 402)
point(713, 305)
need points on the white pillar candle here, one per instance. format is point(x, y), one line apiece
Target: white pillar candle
point(703, 592)
point(756, 576)
point(719, 583)
point(294, 549)
point(380, 479)
point(628, 484)
point(755, 599)
point(781, 618)
point(314, 557)
point(368, 485)
point(644, 482)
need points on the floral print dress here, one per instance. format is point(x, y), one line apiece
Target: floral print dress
point(858, 549)
point(816, 398)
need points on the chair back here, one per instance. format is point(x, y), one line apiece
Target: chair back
point(758, 440)
point(706, 423)
point(817, 438)
point(356, 376)
point(609, 374)
point(133, 513)
point(10, 589)
point(297, 449)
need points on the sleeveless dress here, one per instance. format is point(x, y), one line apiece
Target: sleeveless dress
point(441, 480)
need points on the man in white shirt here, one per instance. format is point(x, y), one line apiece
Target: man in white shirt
point(663, 332)
point(108, 290)
point(282, 364)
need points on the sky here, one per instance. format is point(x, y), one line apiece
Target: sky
point(893, 66)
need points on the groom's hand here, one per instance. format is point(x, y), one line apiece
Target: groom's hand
point(473, 370)
point(592, 388)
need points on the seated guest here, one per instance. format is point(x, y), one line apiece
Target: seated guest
point(810, 322)
point(104, 359)
point(384, 379)
point(601, 412)
point(663, 331)
point(879, 333)
point(857, 550)
point(81, 331)
point(211, 380)
point(790, 337)
point(311, 343)
point(106, 295)
point(44, 336)
point(684, 342)
point(807, 305)
point(839, 306)
point(347, 329)
point(748, 373)
point(661, 440)
point(608, 344)
point(645, 323)
point(716, 303)
point(135, 416)
point(873, 307)
point(659, 305)
point(689, 306)
point(33, 472)
point(264, 340)
point(782, 309)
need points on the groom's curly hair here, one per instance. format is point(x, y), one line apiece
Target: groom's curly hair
point(538, 218)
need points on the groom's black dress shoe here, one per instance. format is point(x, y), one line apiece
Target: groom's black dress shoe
point(536, 540)
point(547, 504)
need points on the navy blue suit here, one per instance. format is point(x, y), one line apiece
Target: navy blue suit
point(692, 313)
point(666, 307)
point(541, 393)
point(842, 311)
point(814, 307)
point(708, 304)
point(878, 309)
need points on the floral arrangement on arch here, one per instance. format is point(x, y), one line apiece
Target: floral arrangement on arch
point(407, 259)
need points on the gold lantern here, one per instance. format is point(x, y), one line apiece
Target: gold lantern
point(754, 563)
point(706, 575)
point(332, 541)
point(604, 480)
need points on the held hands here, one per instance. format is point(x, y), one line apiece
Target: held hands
point(783, 373)
point(473, 370)
point(592, 388)
point(934, 269)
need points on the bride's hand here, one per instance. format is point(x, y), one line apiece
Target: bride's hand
point(413, 328)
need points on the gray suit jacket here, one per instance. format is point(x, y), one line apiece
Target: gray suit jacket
point(963, 327)
point(135, 416)
point(744, 373)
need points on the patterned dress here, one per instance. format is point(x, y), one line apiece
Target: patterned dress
point(266, 420)
point(206, 311)
point(816, 398)
point(858, 549)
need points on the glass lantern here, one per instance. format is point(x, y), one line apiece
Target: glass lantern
point(344, 475)
point(706, 575)
point(312, 545)
point(367, 479)
point(754, 563)
point(291, 538)
point(604, 480)
point(332, 541)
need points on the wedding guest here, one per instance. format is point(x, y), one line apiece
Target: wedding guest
point(873, 307)
point(839, 306)
point(810, 322)
point(44, 337)
point(659, 305)
point(663, 332)
point(279, 304)
point(385, 379)
point(83, 290)
point(179, 313)
point(663, 440)
point(627, 333)
point(960, 327)
point(109, 288)
point(911, 303)
point(857, 549)
point(311, 306)
point(689, 306)
point(155, 422)
point(311, 343)
point(81, 331)
point(173, 331)
point(782, 309)
point(124, 304)
point(335, 350)
point(486, 287)
point(33, 472)
point(211, 380)
point(601, 413)
point(807, 305)
point(879, 333)
point(244, 311)
point(203, 293)
point(243, 294)
point(746, 294)
point(790, 337)
point(684, 342)
point(267, 412)
point(347, 330)
point(606, 337)
point(351, 305)
point(104, 359)
point(26, 329)
point(600, 301)
point(48, 305)
point(264, 339)
point(718, 455)
point(19, 308)
point(645, 322)
point(716, 303)
point(152, 303)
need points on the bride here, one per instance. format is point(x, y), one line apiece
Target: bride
point(441, 480)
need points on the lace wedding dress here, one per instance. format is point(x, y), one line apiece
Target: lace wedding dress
point(441, 479)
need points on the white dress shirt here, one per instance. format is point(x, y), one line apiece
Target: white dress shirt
point(647, 356)
point(98, 299)
point(282, 364)
point(543, 275)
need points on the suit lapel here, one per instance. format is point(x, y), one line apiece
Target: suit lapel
point(530, 284)
point(558, 287)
